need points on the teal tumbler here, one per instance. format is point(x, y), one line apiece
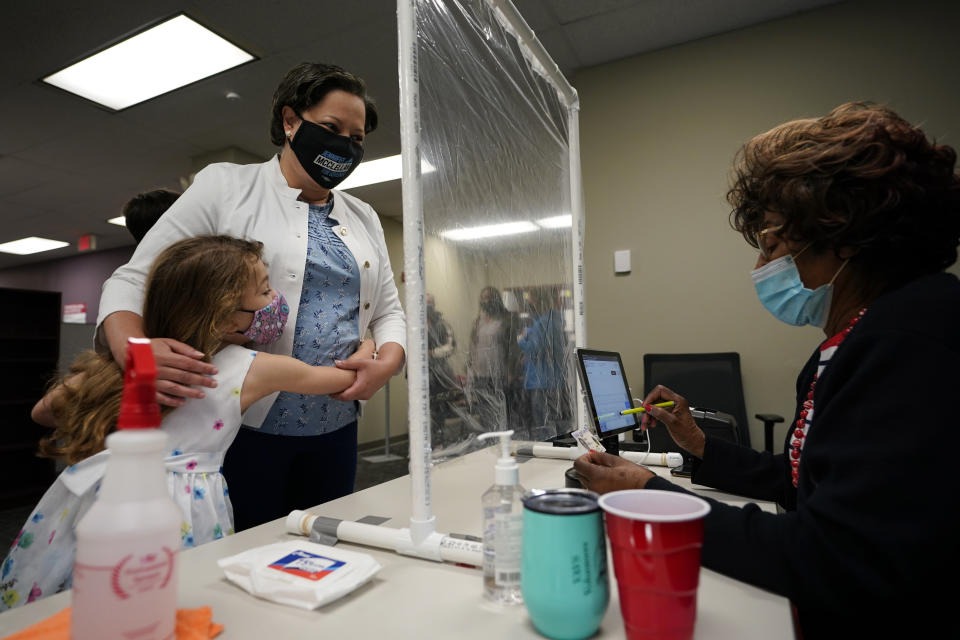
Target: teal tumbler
point(564, 576)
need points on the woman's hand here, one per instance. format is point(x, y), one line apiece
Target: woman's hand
point(364, 351)
point(678, 419)
point(371, 374)
point(602, 472)
point(178, 366)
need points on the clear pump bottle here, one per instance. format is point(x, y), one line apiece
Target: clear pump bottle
point(125, 577)
point(503, 527)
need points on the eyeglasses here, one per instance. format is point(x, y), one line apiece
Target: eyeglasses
point(761, 236)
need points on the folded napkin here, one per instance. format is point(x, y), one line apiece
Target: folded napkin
point(192, 624)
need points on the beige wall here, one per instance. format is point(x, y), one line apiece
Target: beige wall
point(658, 134)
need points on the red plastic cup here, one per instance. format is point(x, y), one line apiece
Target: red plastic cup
point(655, 539)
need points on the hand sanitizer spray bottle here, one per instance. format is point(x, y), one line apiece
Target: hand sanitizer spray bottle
point(124, 576)
point(503, 528)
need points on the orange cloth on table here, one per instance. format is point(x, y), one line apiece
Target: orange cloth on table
point(192, 624)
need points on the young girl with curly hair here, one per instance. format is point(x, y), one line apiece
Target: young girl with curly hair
point(211, 292)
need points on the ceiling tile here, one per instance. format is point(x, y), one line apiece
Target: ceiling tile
point(53, 34)
point(31, 115)
point(66, 165)
point(640, 27)
point(94, 151)
point(19, 175)
point(537, 14)
point(568, 11)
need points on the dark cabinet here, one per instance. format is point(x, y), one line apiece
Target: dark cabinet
point(29, 347)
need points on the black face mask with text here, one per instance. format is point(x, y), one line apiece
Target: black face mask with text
point(325, 156)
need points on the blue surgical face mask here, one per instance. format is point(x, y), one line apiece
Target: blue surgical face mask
point(781, 291)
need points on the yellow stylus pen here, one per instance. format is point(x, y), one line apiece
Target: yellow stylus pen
point(662, 405)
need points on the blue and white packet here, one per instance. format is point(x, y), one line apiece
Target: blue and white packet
point(299, 573)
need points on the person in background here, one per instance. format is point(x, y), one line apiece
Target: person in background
point(236, 305)
point(443, 384)
point(856, 215)
point(143, 210)
point(493, 363)
point(328, 250)
point(543, 345)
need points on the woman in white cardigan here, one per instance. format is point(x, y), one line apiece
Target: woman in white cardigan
point(325, 251)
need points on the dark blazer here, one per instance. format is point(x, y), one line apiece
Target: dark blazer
point(871, 532)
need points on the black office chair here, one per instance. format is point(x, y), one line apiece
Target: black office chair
point(708, 381)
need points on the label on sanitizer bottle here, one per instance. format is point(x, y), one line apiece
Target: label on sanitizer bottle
point(509, 541)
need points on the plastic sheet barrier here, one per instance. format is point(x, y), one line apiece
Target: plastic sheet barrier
point(498, 245)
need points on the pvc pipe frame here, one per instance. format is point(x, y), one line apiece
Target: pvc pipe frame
point(656, 459)
point(437, 547)
point(422, 520)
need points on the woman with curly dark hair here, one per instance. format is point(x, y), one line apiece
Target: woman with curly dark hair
point(855, 215)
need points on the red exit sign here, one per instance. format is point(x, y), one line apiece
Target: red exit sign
point(87, 242)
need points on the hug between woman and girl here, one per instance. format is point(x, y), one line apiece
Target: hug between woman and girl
point(210, 292)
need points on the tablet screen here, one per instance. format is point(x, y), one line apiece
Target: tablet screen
point(607, 391)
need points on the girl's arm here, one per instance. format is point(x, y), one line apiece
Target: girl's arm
point(270, 373)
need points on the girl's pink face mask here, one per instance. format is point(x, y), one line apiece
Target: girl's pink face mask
point(268, 323)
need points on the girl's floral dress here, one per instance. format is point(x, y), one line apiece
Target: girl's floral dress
point(40, 561)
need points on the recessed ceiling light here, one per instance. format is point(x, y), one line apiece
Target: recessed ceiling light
point(490, 231)
point(170, 55)
point(120, 221)
point(556, 222)
point(380, 170)
point(26, 246)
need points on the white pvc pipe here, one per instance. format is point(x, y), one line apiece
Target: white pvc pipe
point(437, 547)
point(422, 520)
point(577, 229)
point(541, 61)
point(655, 459)
point(386, 419)
point(371, 535)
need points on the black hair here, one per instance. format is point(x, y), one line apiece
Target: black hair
point(307, 84)
point(144, 209)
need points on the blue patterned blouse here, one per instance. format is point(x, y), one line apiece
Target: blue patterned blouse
point(327, 329)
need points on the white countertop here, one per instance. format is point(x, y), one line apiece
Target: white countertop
point(414, 598)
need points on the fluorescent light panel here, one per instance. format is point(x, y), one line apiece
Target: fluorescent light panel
point(556, 222)
point(380, 170)
point(168, 56)
point(26, 246)
point(490, 231)
point(120, 221)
